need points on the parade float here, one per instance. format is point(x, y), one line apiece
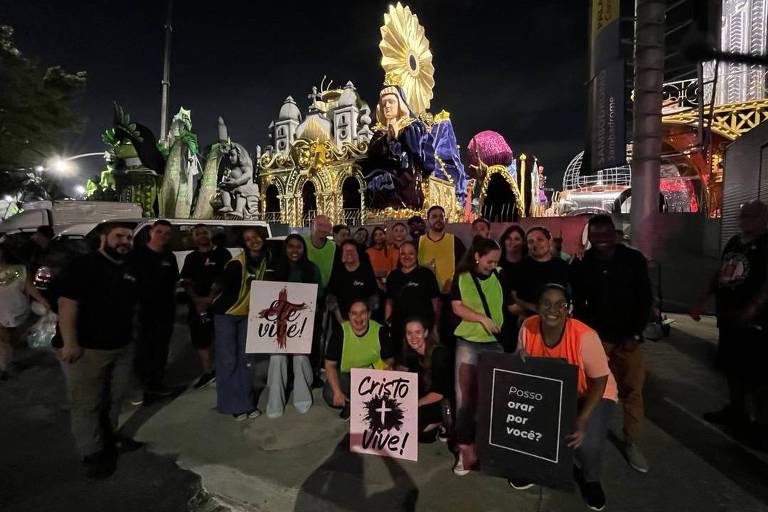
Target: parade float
point(341, 157)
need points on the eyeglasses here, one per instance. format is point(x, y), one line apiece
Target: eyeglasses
point(562, 304)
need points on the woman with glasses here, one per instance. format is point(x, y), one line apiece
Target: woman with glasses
point(553, 333)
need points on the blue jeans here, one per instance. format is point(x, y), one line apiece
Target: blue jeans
point(236, 371)
point(589, 456)
point(467, 355)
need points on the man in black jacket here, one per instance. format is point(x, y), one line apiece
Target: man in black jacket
point(612, 294)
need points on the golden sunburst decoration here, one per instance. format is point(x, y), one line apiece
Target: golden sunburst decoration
point(405, 54)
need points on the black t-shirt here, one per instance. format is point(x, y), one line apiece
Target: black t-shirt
point(106, 295)
point(412, 293)
point(202, 268)
point(349, 286)
point(612, 296)
point(531, 275)
point(743, 273)
point(336, 343)
point(440, 372)
point(157, 274)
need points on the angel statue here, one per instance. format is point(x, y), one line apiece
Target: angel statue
point(237, 184)
point(401, 153)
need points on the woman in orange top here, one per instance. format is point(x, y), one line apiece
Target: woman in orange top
point(383, 257)
point(553, 333)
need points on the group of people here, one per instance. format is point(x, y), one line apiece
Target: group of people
point(429, 305)
point(408, 297)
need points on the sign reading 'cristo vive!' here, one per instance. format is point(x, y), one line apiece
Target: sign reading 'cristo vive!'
point(281, 319)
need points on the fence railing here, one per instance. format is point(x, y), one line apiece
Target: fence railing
point(506, 212)
point(353, 216)
point(271, 217)
point(309, 216)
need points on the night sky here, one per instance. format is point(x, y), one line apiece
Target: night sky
point(517, 67)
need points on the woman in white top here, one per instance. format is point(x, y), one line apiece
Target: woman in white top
point(15, 290)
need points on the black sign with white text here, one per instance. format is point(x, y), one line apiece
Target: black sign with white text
point(525, 411)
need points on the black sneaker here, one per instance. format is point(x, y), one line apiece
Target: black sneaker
point(519, 485)
point(344, 414)
point(204, 380)
point(593, 495)
point(442, 435)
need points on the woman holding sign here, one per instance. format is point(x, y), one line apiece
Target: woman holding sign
point(294, 267)
point(553, 333)
point(231, 303)
point(359, 343)
point(478, 300)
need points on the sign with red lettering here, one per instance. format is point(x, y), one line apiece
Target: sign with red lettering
point(281, 318)
point(384, 413)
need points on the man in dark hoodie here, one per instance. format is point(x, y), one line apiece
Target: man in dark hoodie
point(612, 294)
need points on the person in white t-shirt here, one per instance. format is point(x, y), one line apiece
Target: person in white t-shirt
point(16, 288)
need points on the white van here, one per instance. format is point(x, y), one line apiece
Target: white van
point(64, 213)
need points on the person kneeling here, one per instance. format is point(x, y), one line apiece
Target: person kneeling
point(432, 362)
point(553, 333)
point(359, 343)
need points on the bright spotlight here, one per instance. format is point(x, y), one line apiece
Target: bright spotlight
point(79, 190)
point(61, 165)
point(8, 199)
point(39, 168)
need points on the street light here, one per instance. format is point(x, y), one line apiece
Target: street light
point(63, 166)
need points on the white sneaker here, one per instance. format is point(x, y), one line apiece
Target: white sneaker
point(254, 414)
point(459, 469)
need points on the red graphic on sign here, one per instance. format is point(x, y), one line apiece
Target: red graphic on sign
point(281, 312)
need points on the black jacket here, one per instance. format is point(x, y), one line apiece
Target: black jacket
point(613, 297)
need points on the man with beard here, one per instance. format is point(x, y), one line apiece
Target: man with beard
point(441, 252)
point(157, 274)
point(97, 302)
point(612, 294)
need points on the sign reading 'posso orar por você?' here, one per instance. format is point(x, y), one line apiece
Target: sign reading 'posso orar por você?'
point(524, 414)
